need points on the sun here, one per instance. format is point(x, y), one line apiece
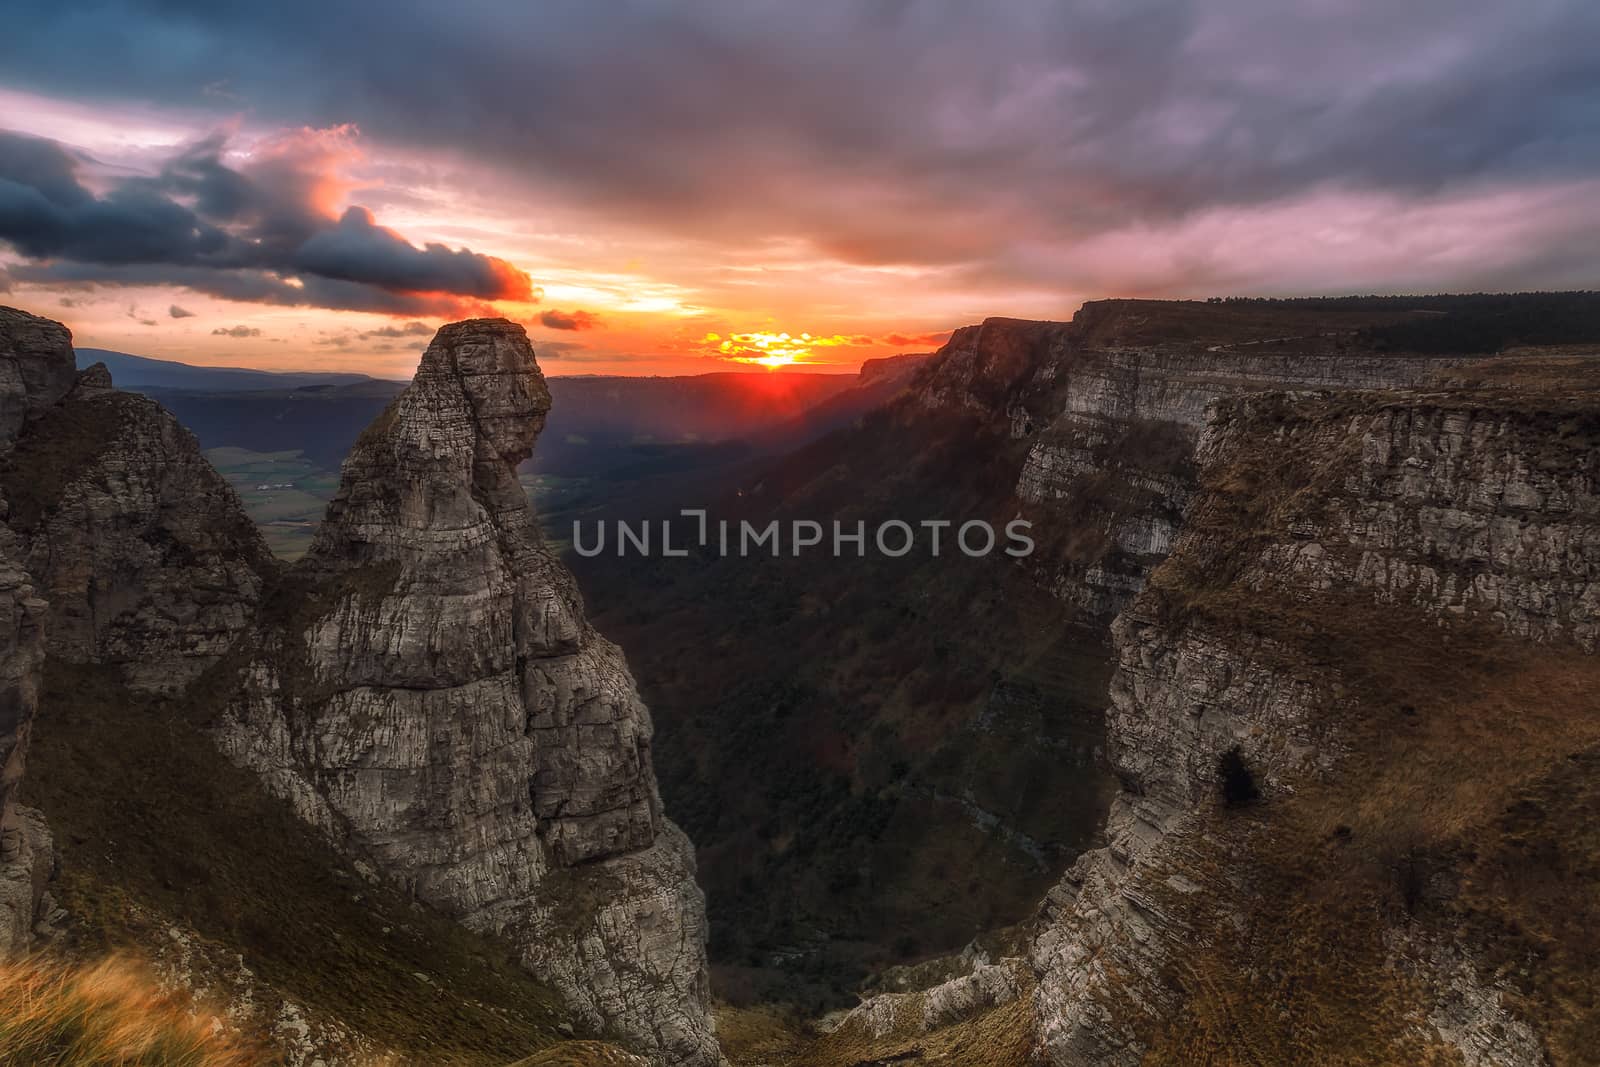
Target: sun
point(773, 361)
point(769, 350)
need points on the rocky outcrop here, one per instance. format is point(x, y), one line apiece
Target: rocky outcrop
point(142, 549)
point(1327, 530)
point(430, 693)
point(982, 989)
point(25, 845)
point(36, 371)
point(36, 368)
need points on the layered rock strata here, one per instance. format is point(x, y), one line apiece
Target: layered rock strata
point(1475, 510)
point(141, 548)
point(430, 694)
point(1110, 407)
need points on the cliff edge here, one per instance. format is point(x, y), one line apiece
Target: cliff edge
point(1353, 720)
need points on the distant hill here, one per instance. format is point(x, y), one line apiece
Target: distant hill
point(140, 373)
point(596, 422)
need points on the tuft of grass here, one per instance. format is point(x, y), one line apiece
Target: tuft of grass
point(111, 1013)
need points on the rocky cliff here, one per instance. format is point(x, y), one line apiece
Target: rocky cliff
point(428, 691)
point(424, 689)
point(139, 546)
point(1348, 714)
point(36, 369)
point(1109, 408)
point(25, 843)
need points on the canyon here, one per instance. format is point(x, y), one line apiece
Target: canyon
point(1279, 748)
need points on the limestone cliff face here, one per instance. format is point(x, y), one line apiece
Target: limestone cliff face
point(434, 698)
point(25, 844)
point(1109, 408)
point(141, 548)
point(36, 368)
point(1339, 547)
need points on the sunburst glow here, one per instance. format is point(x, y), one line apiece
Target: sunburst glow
point(773, 350)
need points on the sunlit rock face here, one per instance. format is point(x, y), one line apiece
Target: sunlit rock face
point(431, 694)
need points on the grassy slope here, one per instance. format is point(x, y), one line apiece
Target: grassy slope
point(110, 1014)
point(151, 822)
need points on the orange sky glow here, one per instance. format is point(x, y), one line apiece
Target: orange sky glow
point(681, 188)
point(597, 298)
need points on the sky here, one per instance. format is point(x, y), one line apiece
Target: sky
point(667, 188)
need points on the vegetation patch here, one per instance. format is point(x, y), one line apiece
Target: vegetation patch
point(112, 1013)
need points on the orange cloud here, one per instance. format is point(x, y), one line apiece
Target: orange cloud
point(901, 340)
point(569, 320)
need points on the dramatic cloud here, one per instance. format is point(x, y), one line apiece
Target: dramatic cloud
point(569, 320)
point(179, 313)
point(939, 132)
point(854, 169)
point(410, 329)
point(921, 340)
point(264, 230)
point(236, 331)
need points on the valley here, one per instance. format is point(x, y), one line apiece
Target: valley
point(1290, 582)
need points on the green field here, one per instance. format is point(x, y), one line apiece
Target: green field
point(286, 495)
point(283, 493)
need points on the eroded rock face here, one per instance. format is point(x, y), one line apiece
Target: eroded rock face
point(1479, 508)
point(25, 845)
point(435, 699)
point(1110, 406)
point(142, 549)
point(36, 368)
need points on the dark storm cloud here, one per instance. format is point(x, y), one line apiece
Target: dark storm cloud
point(569, 320)
point(993, 137)
point(900, 340)
point(358, 250)
point(250, 286)
point(255, 233)
point(410, 329)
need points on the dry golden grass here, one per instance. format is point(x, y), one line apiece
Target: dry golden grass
point(759, 1035)
point(109, 1013)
